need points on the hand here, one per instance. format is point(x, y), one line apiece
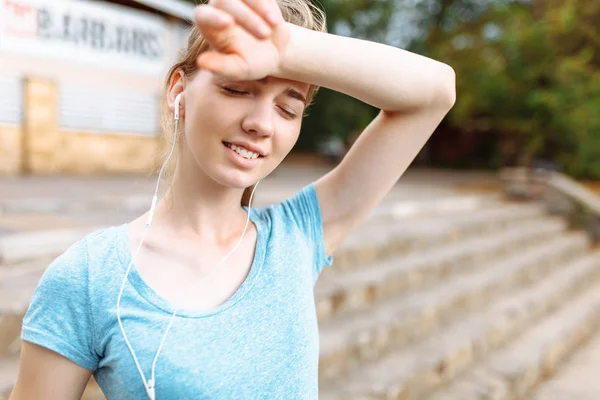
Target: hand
point(246, 37)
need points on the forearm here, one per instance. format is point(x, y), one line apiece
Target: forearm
point(383, 76)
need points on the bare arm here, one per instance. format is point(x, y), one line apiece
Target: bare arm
point(44, 374)
point(414, 94)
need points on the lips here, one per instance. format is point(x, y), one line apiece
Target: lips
point(247, 147)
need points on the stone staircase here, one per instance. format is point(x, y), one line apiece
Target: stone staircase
point(480, 301)
point(475, 305)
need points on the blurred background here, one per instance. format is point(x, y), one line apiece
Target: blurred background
point(477, 278)
point(527, 73)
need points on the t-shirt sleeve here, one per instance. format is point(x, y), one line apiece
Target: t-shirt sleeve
point(304, 209)
point(59, 316)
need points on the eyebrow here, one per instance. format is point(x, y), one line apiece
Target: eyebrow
point(290, 92)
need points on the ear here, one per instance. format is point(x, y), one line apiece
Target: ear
point(176, 86)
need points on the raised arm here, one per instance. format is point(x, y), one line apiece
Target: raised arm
point(414, 94)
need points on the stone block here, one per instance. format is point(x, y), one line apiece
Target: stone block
point(11, 138)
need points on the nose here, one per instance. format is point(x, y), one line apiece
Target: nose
point(259, 120)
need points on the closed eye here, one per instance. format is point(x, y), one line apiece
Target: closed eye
point(286, 112)
point(234, 92)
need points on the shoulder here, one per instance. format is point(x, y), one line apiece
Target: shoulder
point(296, 217)
point(59, 316)
point(101, 243)
point(298, 225)
point(72, 267)
point(297, 210)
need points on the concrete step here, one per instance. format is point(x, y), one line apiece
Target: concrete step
point(9, 368)
point(348, 289)
point(24, 246)
point(410, 373)
point(14, 271)
point(398, 210)
point(67, 204)
point(27, 235)
point(354, 338)
point(516, 370)
point(28, 222)
point(376, 240)
point(15, 293)
point(18, 282)
point(140, 198)
point(32, 236)
point(438, 206)
point(578, 378)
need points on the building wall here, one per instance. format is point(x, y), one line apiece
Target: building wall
point(39, 145)
point(107, 154)
point(82, 117)
point(48, 149)
point(10, 149)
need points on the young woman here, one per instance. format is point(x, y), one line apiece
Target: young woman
point(219, 302)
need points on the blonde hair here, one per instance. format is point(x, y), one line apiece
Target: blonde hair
point(298, 12)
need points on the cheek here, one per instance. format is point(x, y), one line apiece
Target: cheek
point(201, 123)
point(285, 141)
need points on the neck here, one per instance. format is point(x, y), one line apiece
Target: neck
point(196, 206)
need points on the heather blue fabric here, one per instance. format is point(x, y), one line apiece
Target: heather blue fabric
point(262, 343)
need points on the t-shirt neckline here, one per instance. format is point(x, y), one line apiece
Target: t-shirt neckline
point(134, 278)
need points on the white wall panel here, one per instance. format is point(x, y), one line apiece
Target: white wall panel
point(91, 109)
point(11, 100)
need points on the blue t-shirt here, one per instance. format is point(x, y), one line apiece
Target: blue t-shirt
point(262, 343)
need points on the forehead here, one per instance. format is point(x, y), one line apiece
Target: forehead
point(270, 81)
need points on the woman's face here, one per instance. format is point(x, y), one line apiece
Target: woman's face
point(238, 132)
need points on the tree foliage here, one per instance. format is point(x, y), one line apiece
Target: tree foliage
point(528, 73)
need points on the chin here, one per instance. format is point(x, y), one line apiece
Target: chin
point(234, 178)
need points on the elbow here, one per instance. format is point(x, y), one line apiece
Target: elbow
point(438, 96)
point(446, 96)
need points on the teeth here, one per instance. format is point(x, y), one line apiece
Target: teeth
point(243, 152)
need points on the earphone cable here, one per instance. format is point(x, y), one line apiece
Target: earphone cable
point(150, 385)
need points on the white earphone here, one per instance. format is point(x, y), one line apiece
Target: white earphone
point(151, 383)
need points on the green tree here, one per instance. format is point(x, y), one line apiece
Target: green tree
point(528, 75)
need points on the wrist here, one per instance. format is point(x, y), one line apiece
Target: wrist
point(287, 59)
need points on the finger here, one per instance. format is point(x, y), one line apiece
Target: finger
point(268, 9)
point(215, 25)
point(230, 66)
point(245, 16)
point(210, 17)
point(277, 11)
